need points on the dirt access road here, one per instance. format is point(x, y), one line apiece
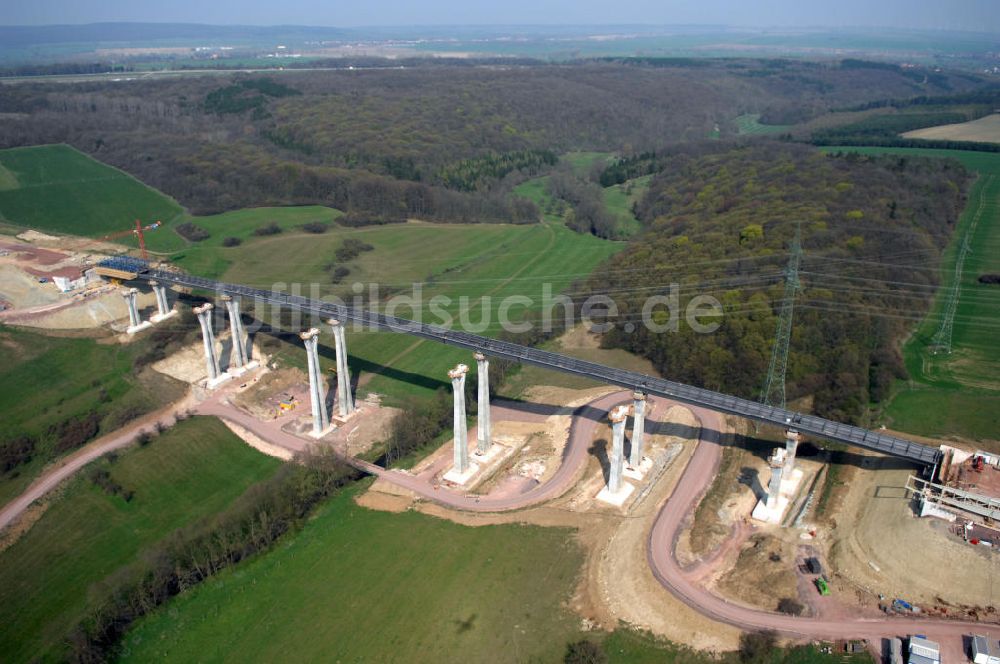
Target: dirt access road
point(69, 465)
point(661, 546)
point(669, 522)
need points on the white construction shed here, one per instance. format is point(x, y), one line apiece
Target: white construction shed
point(923, 651)
point(985, 651)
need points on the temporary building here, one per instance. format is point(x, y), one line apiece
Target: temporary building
point(985, 651)
point(923, 651)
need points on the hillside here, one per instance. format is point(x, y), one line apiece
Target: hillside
point(388, 142)
point(720, 223)
point(57, 188)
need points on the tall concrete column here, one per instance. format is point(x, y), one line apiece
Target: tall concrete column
point(457, 376)
point(791, 447)
point(130, 295)
point(638, 429)
point(236, 328)
point(777, 463)
point(321, 419)
point(162, 306)
point(345, 400)
point(204, 314)
point(485, 435)
point(618, 416)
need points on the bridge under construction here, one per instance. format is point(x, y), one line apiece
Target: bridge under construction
point(812, 425)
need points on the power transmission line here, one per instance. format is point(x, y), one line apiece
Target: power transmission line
point(773, 393)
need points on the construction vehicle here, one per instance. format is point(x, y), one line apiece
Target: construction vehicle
point(978, 463)
point(822, 586)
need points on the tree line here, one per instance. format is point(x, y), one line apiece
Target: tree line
point(257, 519)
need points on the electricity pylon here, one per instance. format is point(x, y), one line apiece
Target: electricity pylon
point(773, 393)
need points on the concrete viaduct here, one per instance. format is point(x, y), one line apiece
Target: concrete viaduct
point(641, 384)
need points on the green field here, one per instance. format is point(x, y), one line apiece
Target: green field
point(190, 472)
point(749, 125)
point(59, 189)
point(359, 585)
point(958, 393)
point(619, 199)
point(474, 264)
point(46, 380)
point(209, 258)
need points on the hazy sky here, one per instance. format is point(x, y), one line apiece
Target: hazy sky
point(980, 15)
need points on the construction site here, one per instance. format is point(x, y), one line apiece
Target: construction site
point(902, 539)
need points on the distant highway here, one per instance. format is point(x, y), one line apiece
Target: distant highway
point(695, 396)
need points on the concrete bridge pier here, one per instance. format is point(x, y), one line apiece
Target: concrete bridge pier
point(617, 458)
point(345, 400)
point(321, 419)
point(238, 334)
point(135, 324)
point(461, 470)
point(617, 491)
point(777, 463)
point(163, 310)
point(485, 436)
point(638, 429)
point(215, 377)
point(791, 447)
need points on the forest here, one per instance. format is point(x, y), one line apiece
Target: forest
point(435, 140)
point(719, 220)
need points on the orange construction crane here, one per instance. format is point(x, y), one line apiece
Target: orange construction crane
point(138, 232)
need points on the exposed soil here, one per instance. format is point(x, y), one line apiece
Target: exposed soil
point(916, 559)
point(763, 573)
point(616, 583)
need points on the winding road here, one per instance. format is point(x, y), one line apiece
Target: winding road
point(661, 545)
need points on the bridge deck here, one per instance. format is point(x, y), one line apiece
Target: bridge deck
point(807, 424)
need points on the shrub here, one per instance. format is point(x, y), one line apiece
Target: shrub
point(268, 229)
point(72, 433)
point(338, 274)
point(584, 652)
point(792, 607)
point(193, 233)
point(232, 242)
point(351, 248)
point(757, 647)
point(315, 227)
point(16, 451)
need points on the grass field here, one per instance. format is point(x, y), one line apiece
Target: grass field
point(476, 266)
point(749, 125)
point(619, 199)
point(192, 471)
point(45, 380)
point(209, 258)
point(57, 188)
point(958, 393)
point(360, 585)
